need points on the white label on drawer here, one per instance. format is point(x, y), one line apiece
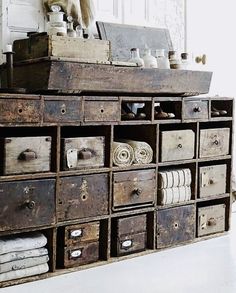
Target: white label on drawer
point(76, 253)
point(76, 233)
point(72, 158)
point(126, 244)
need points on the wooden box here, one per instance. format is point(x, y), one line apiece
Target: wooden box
point(83, 152)
point(175, 226)
point(27, 204)
point(177, 145)
point(129, 235)
point(26, 154)
point(214, 142)
point(212, 180)
point(38, 46)
point(195, 110)
point(211, 219)
point(134, 188)
point(83, 196)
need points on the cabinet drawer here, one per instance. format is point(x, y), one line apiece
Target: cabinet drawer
point(177, 145)
point(214, 142)
point(26, 154)
point(83, 196)
point(195, 110)
point(175, 226)
point(211, 219)
point(134, 187)
point(102, 111)
point(20, 111)
point(27, 204)
point(212, 180)
point(62, 111)
point(83, 152)
point(132, 225)
point(83, 254)
point(77, 234)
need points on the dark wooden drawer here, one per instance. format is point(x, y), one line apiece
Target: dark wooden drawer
point(62, 111)
point(83, 196)
point(20, 111)
point(195, 110)
point(211, 220)
point(131, 225)
point(212, 180)
point(214, 142)
point(132, 243)
point(83, 254)
point(26, 154)
point(77, 234)
point(102, 111)
point(83, 152)
point(134, 187)
point(175, 226)
point(177, 145)
point(27, 204)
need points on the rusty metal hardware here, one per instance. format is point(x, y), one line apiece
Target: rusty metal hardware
point(197, 109)
point(27, 155)
point(30, 204)
point(180, 146)
point(211, 222)
point(85, 154)
point(201, 59)
point(137, 191)
point(216, 142)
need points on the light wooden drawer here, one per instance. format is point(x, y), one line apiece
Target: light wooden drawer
point(214, 142)
point(195, 110)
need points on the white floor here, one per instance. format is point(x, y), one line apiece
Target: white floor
point(205, 267)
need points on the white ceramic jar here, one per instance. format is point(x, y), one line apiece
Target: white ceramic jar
point(162, 60)
point(149, 60)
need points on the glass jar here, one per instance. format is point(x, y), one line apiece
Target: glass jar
point(70, 28)
point(185, 60)
point(162, 60)
point(135, 57)
point(149, 60)
point(175, 62)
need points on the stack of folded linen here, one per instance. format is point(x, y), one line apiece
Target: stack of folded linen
point(174, 186)
point(22, 256)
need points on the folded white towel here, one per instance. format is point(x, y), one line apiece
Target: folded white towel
point(18, 255)
point(143, 153)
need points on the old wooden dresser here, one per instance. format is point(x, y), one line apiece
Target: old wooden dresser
point(58, 176)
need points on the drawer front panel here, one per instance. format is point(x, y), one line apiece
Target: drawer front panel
point(101, 111)
point(195, 110)
point(134, 187)
point(27, 155)
point(131, 243)
point(81, 255)
point(83, 152)
point(175, 226)
point(212, 180)
point(211, 220)
point(214, 142)
point(20, 111)
point(177, 145)
point(76, 234)
point(83, 196)
point(27, 204)
point(132, 225)
point(62, 111)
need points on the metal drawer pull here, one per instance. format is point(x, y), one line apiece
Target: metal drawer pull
point(216, 142)
point(85, 154)
point(76, 233)
point(126, 244)
point(28, 155)
point(197, 109)
point(137, 191)
point(180, 146)
point(76, 253)
point(211, 222)
point(30, 204)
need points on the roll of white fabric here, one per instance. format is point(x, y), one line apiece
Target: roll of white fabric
point(18, 274)
point(18, 255)
point(122, 154)
point(174, 195)
point(174, 178)
point(143, 153)
point(22, 242)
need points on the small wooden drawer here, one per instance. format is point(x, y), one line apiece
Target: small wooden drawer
point(177, 145)
point(195, 110)
point(127, 244)
point(211, 220)
point(102, 111)
point(83, 152)
point(83, 254)
point(27, 204)
point(83, 196)
point(20, 111)
point(134, 188)
point(62, 111)
point(132, 225)
point(175, 226)
point(77, 234)
point(26, 154)
point(214, 142)
point(212, 180)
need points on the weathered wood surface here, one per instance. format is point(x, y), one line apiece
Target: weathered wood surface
point(175, 226)
point(27, 204)
point(132, 243)
point(77, 77)
point(214, 142)
point(132, 225)
point(195, 110)
point(211, 219)
point(124, 37)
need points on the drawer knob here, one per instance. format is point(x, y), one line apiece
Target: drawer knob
point(180, 146)
point(27, 155)
point(211, 222)
point(216, 142)
point(76, 233)
point(30, 204)
point(85, 154)
point(137, 191)
point(126, 244)
point(76, 253)
point(197, 109)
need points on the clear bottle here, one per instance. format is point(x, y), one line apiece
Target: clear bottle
point(70, 28)
point(162, 61)
point(149, 60)
point(185, 60)
point(175, 62)
point(135, 57)
point(79, 31)
point(56, 25)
